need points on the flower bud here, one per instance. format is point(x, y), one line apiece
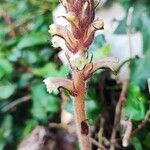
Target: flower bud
point(98, 25)
point(79, 61)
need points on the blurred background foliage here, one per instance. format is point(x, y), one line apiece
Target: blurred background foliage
point(26, 58)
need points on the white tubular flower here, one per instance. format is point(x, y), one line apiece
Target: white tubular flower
point(79, 61)
point(54, 83)
point(108, 62)
point(56, 42)
point(51, 87)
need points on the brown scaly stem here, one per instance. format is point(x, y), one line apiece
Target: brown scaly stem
point(79, 111)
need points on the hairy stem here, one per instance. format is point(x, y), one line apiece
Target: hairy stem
point(79, 111)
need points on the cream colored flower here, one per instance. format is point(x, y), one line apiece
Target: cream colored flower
point(54, 83)
point(52, 29)
point(79, 61)
point(56, 42)
point(51, 87)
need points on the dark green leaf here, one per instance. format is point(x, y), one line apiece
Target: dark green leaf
point(46, 71)
point(5, 67)
point(121, 29)
point(24, 79)
point(99, 41)
point(135, 106)
point(30, 125)
point(104, 51)
point(33, 39)
point(146, 141)
point(50, 69)
point(43, 102)
point(141, 70)
point(5, 130)
point(6, 89)
point(146, 32)
point(136, 143)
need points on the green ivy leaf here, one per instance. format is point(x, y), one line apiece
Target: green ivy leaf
point(46, 71)
point(146, 32)
point(43, 102)
point(98, 42)
point(5, 67)
point(140, 70)
point(25, 79)
point(33, 39)
point(146, 141)
point(30, 125)
point(64, 71)
point(135, 105)
point(50, 69)
point(136, 143)
point(104, 51)
point(6, 89)
point(99, 48)
point(5, 130)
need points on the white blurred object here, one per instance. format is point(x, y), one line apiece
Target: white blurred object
point(119, 43)
point(57, 15)
point(35, 139)
point(66, 117)
point(63, 57)
point(120, 49)
point(109, 14)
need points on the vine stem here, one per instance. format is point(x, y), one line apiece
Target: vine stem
point(117, 114)
point(79, 110)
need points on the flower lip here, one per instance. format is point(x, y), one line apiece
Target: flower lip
point(56, 43)
point(51, 87)
point(52, 29)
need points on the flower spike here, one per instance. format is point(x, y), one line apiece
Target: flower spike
point(75, 42)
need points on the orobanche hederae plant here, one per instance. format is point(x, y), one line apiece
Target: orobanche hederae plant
point(77, 38)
